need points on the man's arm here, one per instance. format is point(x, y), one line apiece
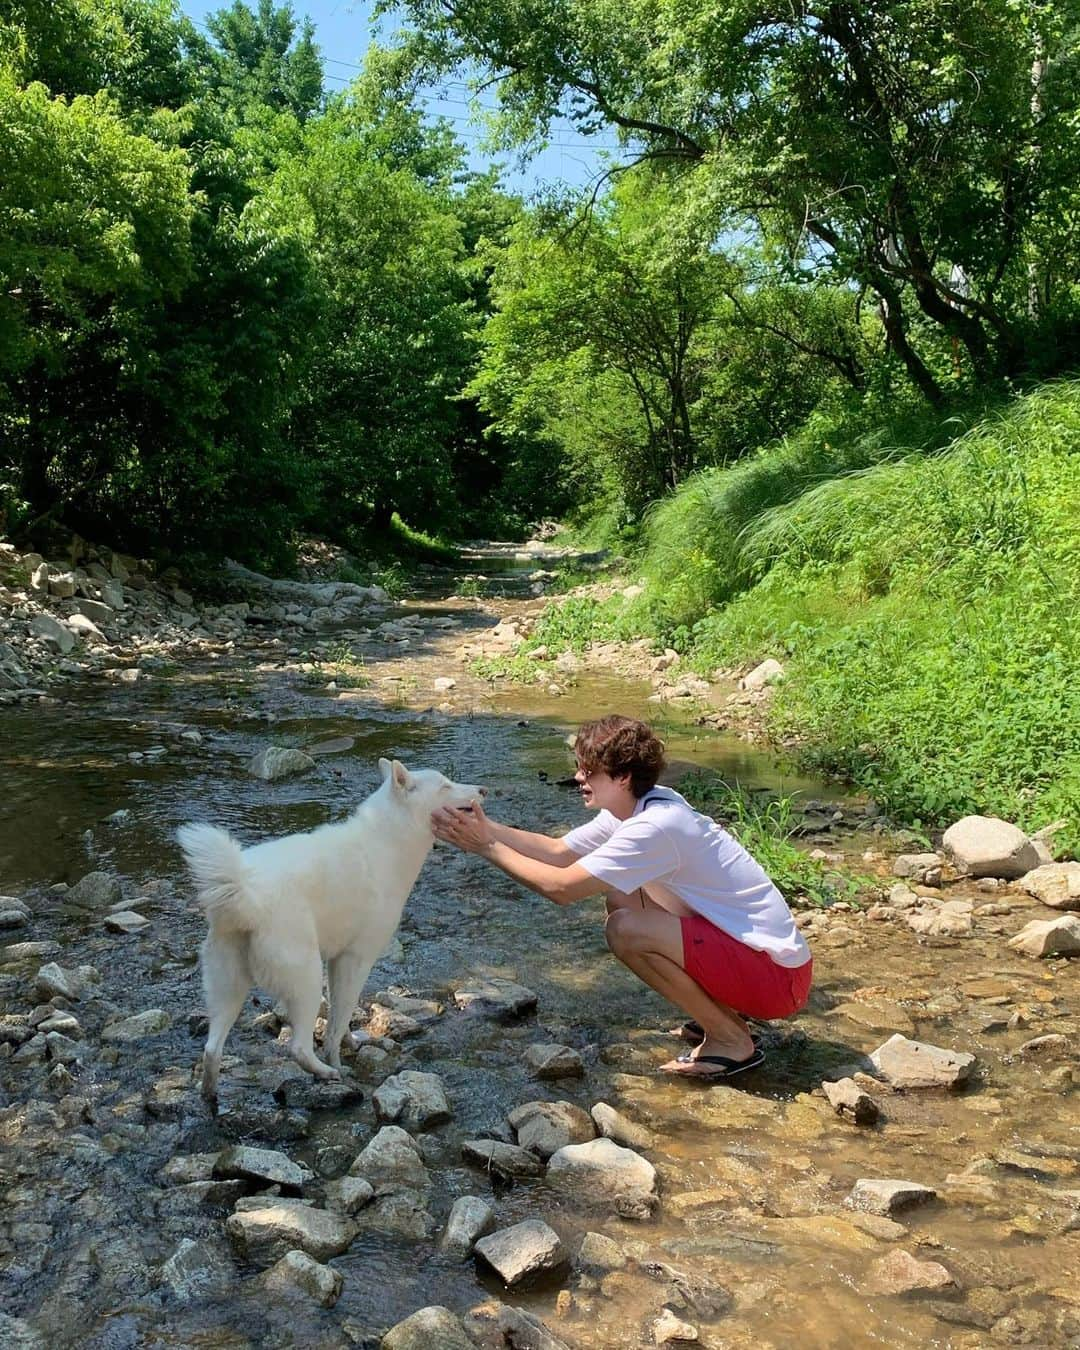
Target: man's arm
point(542, 847)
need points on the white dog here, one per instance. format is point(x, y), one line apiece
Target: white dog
point(277, 910)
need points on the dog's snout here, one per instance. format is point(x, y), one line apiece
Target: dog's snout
point(482, 791)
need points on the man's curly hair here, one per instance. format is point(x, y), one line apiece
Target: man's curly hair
point(621, 745)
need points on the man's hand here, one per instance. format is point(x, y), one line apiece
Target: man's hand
point(467, 829)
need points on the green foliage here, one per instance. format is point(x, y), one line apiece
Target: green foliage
point(765, 824)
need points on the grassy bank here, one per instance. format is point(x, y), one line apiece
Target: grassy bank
point(921, 584)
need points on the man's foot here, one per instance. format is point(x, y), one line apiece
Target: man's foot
point(715, 1059)
point(693, 1033)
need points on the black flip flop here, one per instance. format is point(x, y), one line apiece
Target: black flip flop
point(728, 1068)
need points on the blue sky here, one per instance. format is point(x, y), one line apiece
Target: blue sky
point(345, 28)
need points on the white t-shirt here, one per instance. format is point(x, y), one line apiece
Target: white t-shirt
point(667, 846)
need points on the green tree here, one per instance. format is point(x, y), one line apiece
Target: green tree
point(257, 60)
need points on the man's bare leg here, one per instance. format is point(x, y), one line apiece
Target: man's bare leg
point(650, 944)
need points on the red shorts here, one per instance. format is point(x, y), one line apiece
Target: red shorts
point(747, 981)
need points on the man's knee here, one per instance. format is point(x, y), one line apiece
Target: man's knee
point(620, 929)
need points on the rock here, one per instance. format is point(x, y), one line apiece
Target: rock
point(470, 1218)
point(984, 846)
point(126, 921)
point(768, 672)
point(398, 1026)
point(279, 1225)
point(96, 890)
point(523, 1251)
point(505, 1161)
point(349, 1194)
point(401, 1213)
point(549, 1061)
point(52, 631)
point(602, 1172)
point(13, 913)
point(85, 628)
point(668, 1328)
point(849, 1100)
point(497, 1326)
point(545, 1127)
point(112, 594)
point(196, 1270)
point(443, 684)
point(391, 1161)
point(62, 585)
point(915, 1064)
point(434, 1328)
point(53, 981)
point(496, 997)
point(263, 1165)
point(1049, 937)
point(599, 1253)
point(918, 866)
point(298, 1273)
point(94, 610)
point(311, 1094)
point(876, 1196)
point(417, 1100)
point(952, 919)
point(612, 1124)
point(1056, 884)
point(278, 761)
point(900, 1273)
point(135, 1028)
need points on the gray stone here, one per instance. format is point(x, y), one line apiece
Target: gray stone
point(96, 890)
point(280, 1224)
point(417, 1100)
point(470, 1218)
point(52, 631)
point(400, 1212)
point(668, 1329)
point(522, 1251)
point(549, 1061)
point(900, 1273)
point(134, 1028)
point(17, 1334)
point(495, 997)
point(1055, 884)
point(614, 1125)
point(95, 610)
point(505, 1161)
point(349, 1194)
point(53, 981)
point(916, 866)
point(1049, 937)
point(951, 919)
point(1052, 1046)
point(545, 1127)
point(887, 1196)
point(915, 1064)
point(197, 1270)
point(600, 1253)
point(849, 1100)
point(266, 1166)
point(126, 921)
point(85, 628)
point(434, 1328)
point(391, 1160)
point(602, 1172)
point(112, 594)
point(984, 846)
point(768, 672)
point(498, 1326)
point(279, 762)
point(12, 917)
point(298, 1273)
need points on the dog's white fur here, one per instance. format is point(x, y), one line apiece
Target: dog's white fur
point(277, 910)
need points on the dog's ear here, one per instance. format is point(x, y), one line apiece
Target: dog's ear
point(401, 775)
point(384, 768)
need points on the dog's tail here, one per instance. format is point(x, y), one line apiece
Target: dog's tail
point(215, 861)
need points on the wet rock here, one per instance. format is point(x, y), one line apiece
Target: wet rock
point(17, 1334)
point(417, 1100)
point(497, 1326)
point(401, 1213)
point(599, 1253)
point(498, 998)
point(951, 919)
point(265, 1166)
point(918, 867)
point(50, 630)
point(391, 1160)
point(266, 1233)
point(138, 1026)
point(877, 1226)
point(434, 1328)
point(545, 1127)
point(505, 1161)
point(523, 1251)
point(470, 1218)
point(549, 1061)
point(916, 1064)
point(984, 846)
point(311, 1095)
point(197, 1270)
point(15, 1031)
point(185, 1168)
point(612, 1124)
point(13, 913)
point(669, 1329)
point(1050, 937)
point(62, 1049)
point(847, 1099)
point(1061, 1079)
point(1052, 1046)
point(881, 1196)
point(54, 981)
point(602, 1172)
point(297, 1273)
point(900, 1273)
point(768, 672)
point(1056, 884)
point(278, 761)
point(398, 1026)
point(96, 890)
point(349, 1194)
point(126, 921)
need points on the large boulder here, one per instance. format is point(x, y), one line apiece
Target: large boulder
point(470, 1218)
point(601, 1172)
point(277, 1225)
point(1055, 884)
point(915, 1064)
point(52, 631)
point(263, 1166)
point(1049, 937)
point(984, 846)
